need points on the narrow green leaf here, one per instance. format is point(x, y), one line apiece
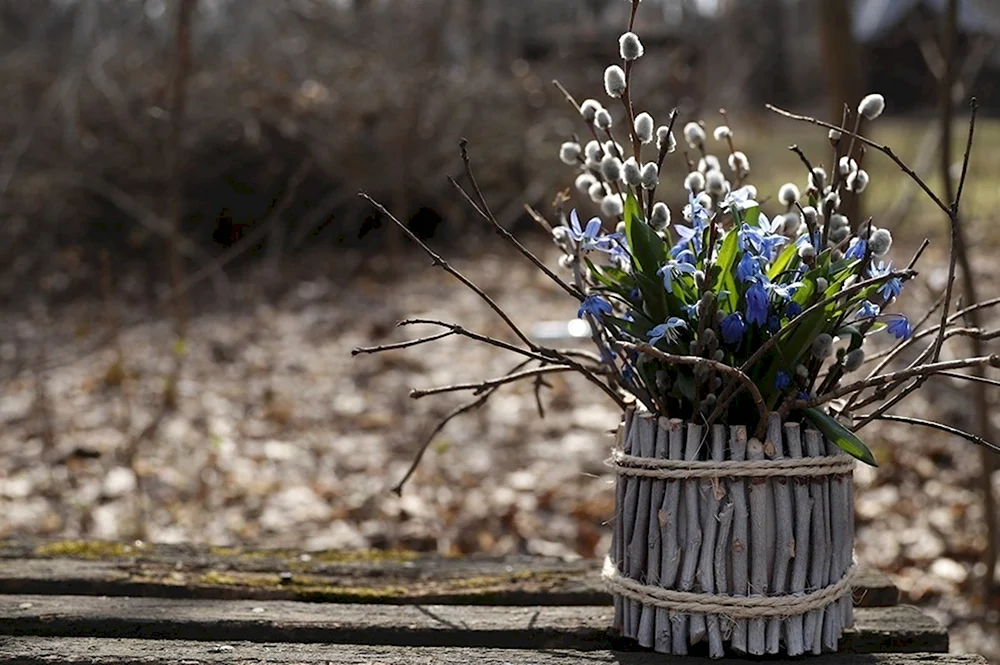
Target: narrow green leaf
point(844, 438)
point(648, 249)
point(782, 262)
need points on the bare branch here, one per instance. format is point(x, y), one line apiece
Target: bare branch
point(979, 441)
point(480, 386)
point(401, 345)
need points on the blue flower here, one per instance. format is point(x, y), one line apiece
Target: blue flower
point(892, 287)
point(756, 297)
point(595, 306)
point(899, 327)
point(590, 238)
point(868, 310)
point(763, 238)
point(748, 269)
point(733, 328)
point(783, 291)
point(782, 380)
point(793, 309)
point(773, 324)
point(669, 331)
point(672, 269)
point(857, 249)
point(695, 211)
point(741, 199)
point(691, 311)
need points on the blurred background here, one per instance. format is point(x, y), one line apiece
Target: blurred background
point(185, 264)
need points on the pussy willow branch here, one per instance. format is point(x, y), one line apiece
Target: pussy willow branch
point(484, 211)
point(933, 425)
point(733, 389)
point(902, 375)
point(481, 386)
point(672, 359)
point(454, 413)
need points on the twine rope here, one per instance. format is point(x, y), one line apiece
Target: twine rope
point(734, 607)
point(670, 469)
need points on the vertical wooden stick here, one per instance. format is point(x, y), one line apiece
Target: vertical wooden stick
point(831, 615)
point(783, 542)
point(842, 542)
point(820, 555)
point(723, 547)
point(759, 546)
point(615, 536)
point(670, 552)
point(741, 538)
point(693, 539)
point(849, 492)
point(712, 493)
point(628, 521)
point(651, 616)
point(639, 547)
point(794, 638)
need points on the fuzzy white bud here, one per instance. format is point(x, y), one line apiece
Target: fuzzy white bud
point(593, 150)
point(880, 242)
point(597, 192)
point(839, 234)
point(659, 219)
point(589, 108)
point(810, 215)
point(614, 149)
point(872, 106)
point(560, 235)
point(620, 228)
point(602, 120)
point(611, 205)
point(857, 181)
point(694, 135)
point(614, 81)
point(611, 168)
point(694, 182)
point(709, 163)
point(644, 127)
point(807, 251)
point(791, 221)
point(665, 139)
point(832, 200)
point(569, 152)
point(566, 261)
point(788, 194)
point(822, 346)
point(817, 178)
point(584, 182)
point(853, 360)
point(629, 47)
point(822, 284)
point(847, 165)
point(592, 164)
point(631, 172)
point(650, 175)
point(722, 133)
point(838, 221)
point(739, 164)
point(715, 182)
point(834, 135)
point(705, 201)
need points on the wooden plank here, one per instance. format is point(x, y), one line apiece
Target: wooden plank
point(95, 568)
point(89, 651)
point(901, 628)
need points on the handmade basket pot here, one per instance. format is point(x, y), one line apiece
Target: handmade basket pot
point(736, 542)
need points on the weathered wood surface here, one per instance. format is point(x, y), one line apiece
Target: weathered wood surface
point(87, 651)
point(350, 577)
point(887, 629)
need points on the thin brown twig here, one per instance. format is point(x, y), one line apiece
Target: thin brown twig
point(978, 440)
point(478, 387)
point(401, 345)
point(454, 413)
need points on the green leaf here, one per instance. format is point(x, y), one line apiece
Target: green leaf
point(648, 249)
point(782, 262)
point(726, 261)
point(844, 438)
point(751, 215)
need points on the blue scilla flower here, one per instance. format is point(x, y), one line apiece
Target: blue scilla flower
point(782, 291)
point(782, 380)
point(899, 326)
point(793, 309)
point(595, 306)
point(695, 212)
point(590, 238)
point(748, 269)
point(691, 311)
point(857, 249)
point(673, 268)
point(733, 328)
point(741, 199)
point(892, 287)
point(756, 297)
point(761, 238)
point(670, 330)
point(868, 310)
point(773, 324)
